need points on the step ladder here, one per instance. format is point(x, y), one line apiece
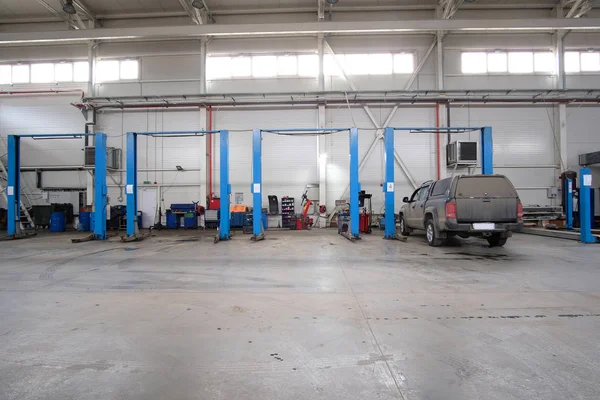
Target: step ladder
point(25, 202)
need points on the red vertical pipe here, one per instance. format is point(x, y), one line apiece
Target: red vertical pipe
point(210, 149)
point(437, 140)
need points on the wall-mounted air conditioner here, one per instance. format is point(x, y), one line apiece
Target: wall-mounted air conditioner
point(113, 157)
point(461, 153)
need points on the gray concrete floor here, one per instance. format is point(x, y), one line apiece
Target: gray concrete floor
point(302, 315)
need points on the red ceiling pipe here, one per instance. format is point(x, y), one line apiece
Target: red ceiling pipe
point(438, 149)
point(210, 149)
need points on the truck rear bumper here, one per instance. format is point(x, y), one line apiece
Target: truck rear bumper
point(453, 226)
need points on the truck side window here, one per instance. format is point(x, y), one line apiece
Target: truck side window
point(441, 187)
point(415, 195)
point(423, 193)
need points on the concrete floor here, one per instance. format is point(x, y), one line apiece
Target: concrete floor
point(302, 315)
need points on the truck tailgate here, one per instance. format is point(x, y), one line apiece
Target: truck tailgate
point(483, 209)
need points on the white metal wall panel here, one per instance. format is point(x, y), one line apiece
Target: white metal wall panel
point(161, 152)
point(289, 163)
point(417, 150)
point(170, 67)
point(523, 136)
point(44, 115)
point(582, 133)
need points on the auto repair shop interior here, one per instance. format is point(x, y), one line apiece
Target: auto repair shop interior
point(336, 199)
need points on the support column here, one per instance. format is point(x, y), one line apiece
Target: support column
point(487, 151)
point(585, 207)
point(131, 188)
point(321, 52)
point(569, 204)
point(13, 188)
point(354, 184)
point(203, 48)
point(91, 92)
point(225, 187)
point(388, 188)
point(202, 143)
point(322, 167)
point(100, 188)
point(562, 126)
point(256, 188)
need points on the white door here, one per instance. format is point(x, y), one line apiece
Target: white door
point(148, 206)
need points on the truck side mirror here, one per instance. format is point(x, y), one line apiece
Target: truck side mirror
point(405, 200)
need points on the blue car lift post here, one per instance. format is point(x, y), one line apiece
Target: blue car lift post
point(487, 164)
point(585, 207)
point(13, 189)
point(132, 185)
point(256, 189)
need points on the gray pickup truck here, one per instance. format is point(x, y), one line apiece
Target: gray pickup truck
point(469, 205)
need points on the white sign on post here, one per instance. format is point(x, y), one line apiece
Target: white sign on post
point(129, 189)
point(587, 180)
point(256, 188)
point(10, 190)
point(390, 187)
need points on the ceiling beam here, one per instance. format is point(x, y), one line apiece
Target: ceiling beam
point(70, 23)
point(193, 12)
point(308, 29)
point(86, 11)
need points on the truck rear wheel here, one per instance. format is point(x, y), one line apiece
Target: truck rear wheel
point(431, 234)
point(496, 240)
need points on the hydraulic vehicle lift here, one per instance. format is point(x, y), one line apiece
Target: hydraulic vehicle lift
point(132, 186)
point(13, 189)
point(256, 188)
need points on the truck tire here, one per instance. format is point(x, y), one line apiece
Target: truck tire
point(404, 230)
point(431, 234)
point(497, 241)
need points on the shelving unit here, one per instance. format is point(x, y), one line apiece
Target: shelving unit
point(287, 212)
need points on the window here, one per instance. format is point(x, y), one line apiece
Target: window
point(544, 62)
point(403, 63)
point(49, 72)
point(81, 71)
point(20, 73)
point(331, 67)
point(287, 65)
point(423, 193)
point(107, 70)
point(241, 66)
point(63, 72)
point(359, 64)
point(520, 63)
point(308, 65)
point(497, 62)
point(572, 61)
point(381, 64)
point(114, 70)
point(474, 63)
point(590, 61)
point(441, 187)
point(129, 69)
point(264, 66)
point(218, 67)
point(42, 73)
point(5, 74)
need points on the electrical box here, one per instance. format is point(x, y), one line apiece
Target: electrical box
point(461, 152)
point(113, 157)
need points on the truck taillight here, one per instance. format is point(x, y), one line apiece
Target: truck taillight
point(451, 210)
point(519, 211)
